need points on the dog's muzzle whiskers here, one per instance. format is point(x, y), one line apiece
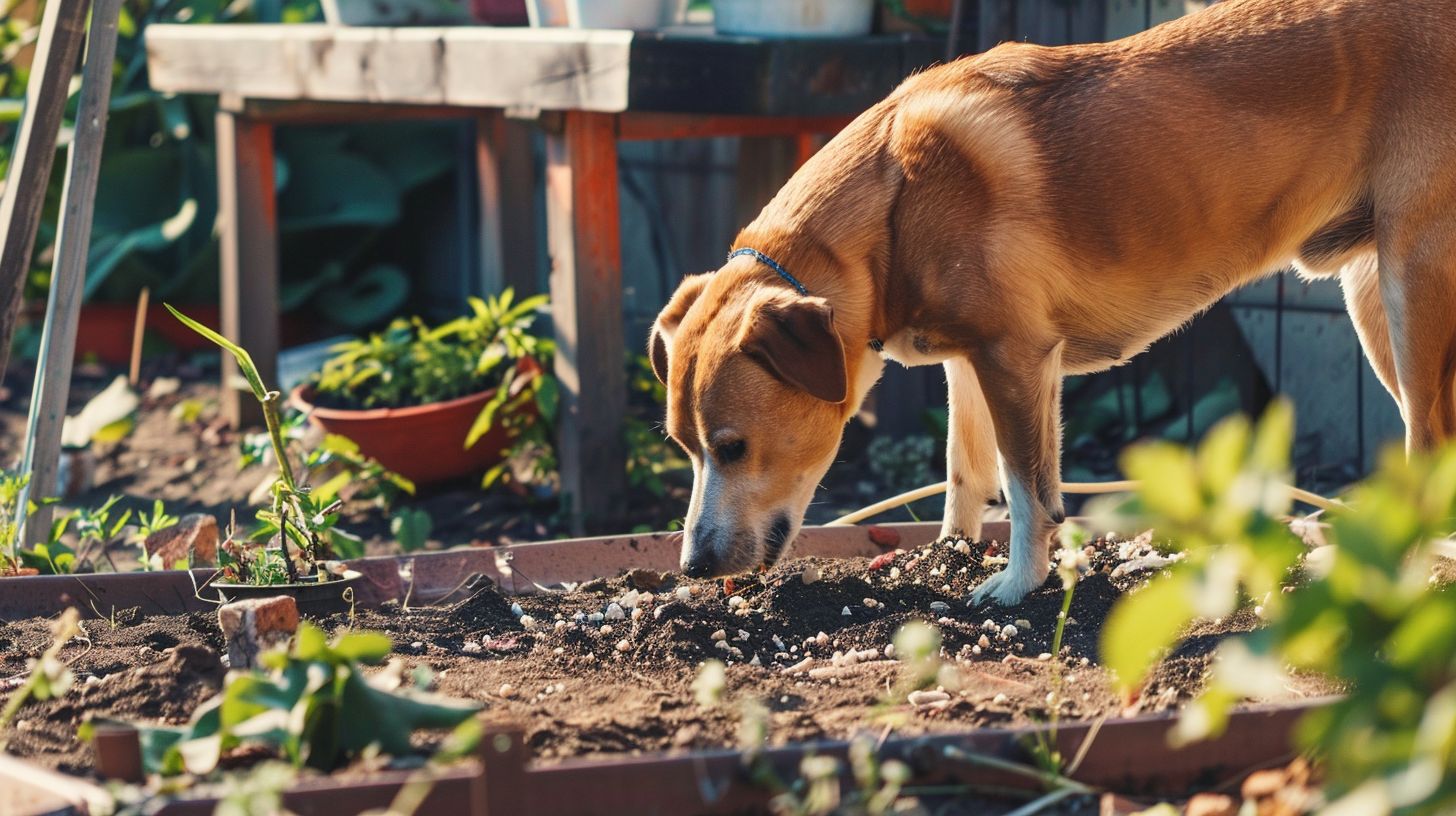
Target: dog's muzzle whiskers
point(777, 538)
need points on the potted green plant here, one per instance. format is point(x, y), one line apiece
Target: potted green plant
point(437, 403)
point(298, 525)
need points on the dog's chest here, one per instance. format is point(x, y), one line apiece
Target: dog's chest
point(913, 347)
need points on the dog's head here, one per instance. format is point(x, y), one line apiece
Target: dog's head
point(758, 391)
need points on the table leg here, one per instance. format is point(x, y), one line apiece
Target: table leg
point(249, 237)
point(506, 170)
point(584, 226)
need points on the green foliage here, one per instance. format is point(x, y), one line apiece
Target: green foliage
point(157, 199)
point(411, 363)
point(1366, 611)
point(12, 487)
point(314, 707)
point(93, 531)
point(411, 528)
point(1223, 505)
point(298, 518)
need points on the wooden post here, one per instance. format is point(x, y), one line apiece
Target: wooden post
point(584, 224)
point(248, 208)
point(500, 790)
point(73, 240)
point(61, 30)
point(506, 169)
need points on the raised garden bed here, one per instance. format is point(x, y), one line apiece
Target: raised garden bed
point(576, 700)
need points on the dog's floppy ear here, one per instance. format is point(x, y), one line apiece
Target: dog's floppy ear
point(797, 343)
point(670, 318)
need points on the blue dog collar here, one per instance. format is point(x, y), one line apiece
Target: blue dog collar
point(772, 264)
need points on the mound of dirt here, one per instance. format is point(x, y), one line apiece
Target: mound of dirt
point(607, 667)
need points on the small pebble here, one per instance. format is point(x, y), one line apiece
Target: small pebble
point(683, 593)
point(614, 612)
point(821, 638)
point(975, 650)
point(894, 573)
point(417, 645)
point(1008, 631)
point(890, 650)
point(517, 610)
point(721, 645)
point(719, 635)
point(470, 647)
point(984, 642)
point(606, 629)
point(742, 635)
point(871, 603)
point(963, 547)
point(939, 606)
point(527, 622)
point(1023, 623)
point(1000, 699)
point(736, 601)
point(561, 624)
point(596, 617)
point(845, 612)
point(1044, 656)
point(636, 612)
point(507, 690)
point(624, 645)
point(755, 661)
point(810, 574)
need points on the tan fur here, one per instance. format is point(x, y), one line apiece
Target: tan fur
point(1033, 212)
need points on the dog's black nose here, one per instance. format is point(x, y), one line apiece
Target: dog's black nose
point(700, 566)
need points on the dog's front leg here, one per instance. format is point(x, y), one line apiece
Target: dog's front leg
point(970, 454)
point(1023, 388)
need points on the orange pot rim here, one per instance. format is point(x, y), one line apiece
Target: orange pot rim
point(302, 394)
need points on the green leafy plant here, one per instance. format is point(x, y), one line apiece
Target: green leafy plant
point(411, 528)
point(309, 708)
point(335, 463)
point(297, 518)
point(1363, 611)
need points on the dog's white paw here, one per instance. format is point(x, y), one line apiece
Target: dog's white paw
point(1007, 588)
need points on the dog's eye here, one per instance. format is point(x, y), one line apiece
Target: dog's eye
point(730, 452)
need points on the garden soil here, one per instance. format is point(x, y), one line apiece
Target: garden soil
point(607, 668)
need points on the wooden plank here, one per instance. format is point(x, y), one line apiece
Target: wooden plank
point(473, 66)
point(62, 28)
point(583, 225)
point(248, 220)
point(536, 69)
point(52, 387)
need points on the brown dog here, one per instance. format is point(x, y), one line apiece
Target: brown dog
point(1033, 212)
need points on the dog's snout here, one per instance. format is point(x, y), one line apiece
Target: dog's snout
point(700, 565)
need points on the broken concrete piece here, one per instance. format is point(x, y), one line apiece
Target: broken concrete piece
point(255, 625)
point(193, 539)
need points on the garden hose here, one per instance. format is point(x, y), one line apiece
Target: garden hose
point(1081, 488)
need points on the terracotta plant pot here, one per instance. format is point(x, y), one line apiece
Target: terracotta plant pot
point(423, 443)
point(104, 330)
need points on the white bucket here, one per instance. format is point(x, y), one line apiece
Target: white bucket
point(793, 18)
point(634, 15)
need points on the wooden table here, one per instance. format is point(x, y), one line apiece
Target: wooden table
point(588, 89)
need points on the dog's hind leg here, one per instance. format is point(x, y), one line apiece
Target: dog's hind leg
point(970, 454)
point(1023, 391)
point(1418, 289)
point(1360, 280)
